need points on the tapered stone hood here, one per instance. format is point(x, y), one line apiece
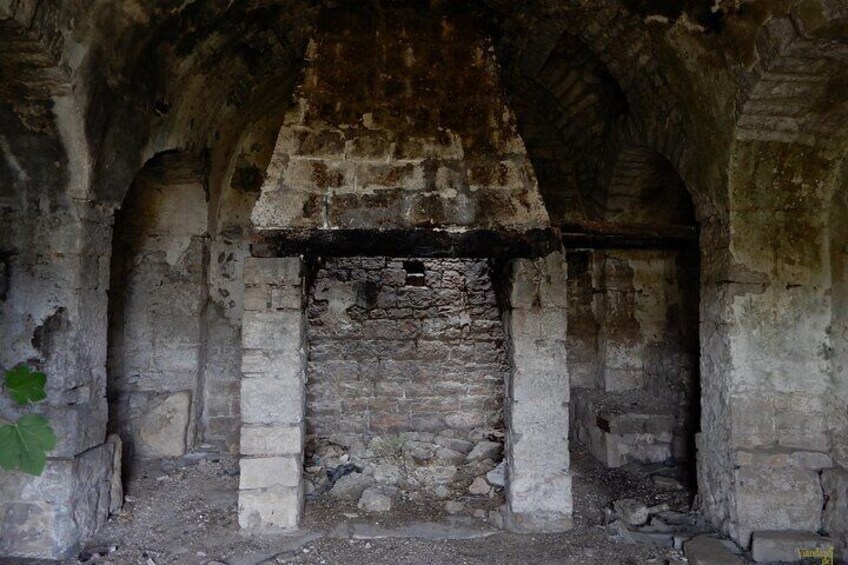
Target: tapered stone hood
point(399, 134)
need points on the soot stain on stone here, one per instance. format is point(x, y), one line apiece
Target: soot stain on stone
point(43, 337)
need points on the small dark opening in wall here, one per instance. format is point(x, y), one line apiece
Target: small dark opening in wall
point(414, 273)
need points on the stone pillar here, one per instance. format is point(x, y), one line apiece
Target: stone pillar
point(536, 405)
point(272, 395)
point(54, 317)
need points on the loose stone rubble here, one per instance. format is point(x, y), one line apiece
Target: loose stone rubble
point(414, 465)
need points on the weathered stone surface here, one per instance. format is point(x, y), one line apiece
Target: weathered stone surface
point(479, 175)
point(455, 444)
point(434, 474)
point(350, 487)
point(835, 515)
point(162, 430)
point(539, 485)
point(485, 450)
point(777, 499)
point(269, 472)
point(116, 485)
point(388, 357)
point(272, 402)
point(706, 550)
point(631, 511)
point(270, 510)
point(497, 476)
point(43, 517)
point(450, 456)
point(454, 507)
point(787, 546)
point(388, 474)
point(479, 487)
point(378, 498)
point(271, 440)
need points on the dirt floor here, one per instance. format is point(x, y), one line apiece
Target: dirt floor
point(184, 512)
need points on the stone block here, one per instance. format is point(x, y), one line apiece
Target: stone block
point(789, 546)
point(257, 298)
point(286, 298)
point(283, 363)
point(268, 472)
point(45, 517)
point(271, 401)
point(273, 270)
point(161, 430)
point(775, 499)
point(78, 427)
point(276, 330)
point(272, 440)
point(706, 550)
point(270, 510)
point(318, 143)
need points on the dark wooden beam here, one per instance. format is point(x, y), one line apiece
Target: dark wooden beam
point(474, 243)
point(608, 235)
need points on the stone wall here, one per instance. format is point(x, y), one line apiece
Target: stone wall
point(156, 303)
point(404, 345)
point(633, 333)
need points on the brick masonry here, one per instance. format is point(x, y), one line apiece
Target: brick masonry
point(387, 355)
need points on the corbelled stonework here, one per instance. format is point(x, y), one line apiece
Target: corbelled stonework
point(399, 121)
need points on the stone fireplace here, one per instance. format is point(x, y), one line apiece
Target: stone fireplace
point(405, 280)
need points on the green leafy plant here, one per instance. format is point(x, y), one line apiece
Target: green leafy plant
point(24, 444)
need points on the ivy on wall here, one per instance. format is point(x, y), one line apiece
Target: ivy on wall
point(24, 444)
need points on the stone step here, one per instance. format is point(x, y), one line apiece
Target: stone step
point(790, 547)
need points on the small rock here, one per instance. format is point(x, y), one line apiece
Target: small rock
point(350, 487)
point(666, 483)
point(485, 450)
point(480, 514)
point(496, 519)
point(377, 498)
point(450, 456)
point(479, 487)
point(454, 507)
point(497, 476)
point(441, 491)
point(478, 468)
point(435, 474)
point(346, 441)
point(420, 452)
point(631, 511)
point(455, 444)
point(308, 487)
point(388, 474)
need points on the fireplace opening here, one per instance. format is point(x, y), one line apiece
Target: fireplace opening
point(405, 383)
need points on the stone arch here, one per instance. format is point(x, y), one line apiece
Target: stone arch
point(768, 309)
point(645, 188)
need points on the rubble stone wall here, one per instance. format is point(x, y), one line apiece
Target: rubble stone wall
point(404, 345)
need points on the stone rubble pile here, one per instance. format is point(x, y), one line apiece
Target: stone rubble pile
point(464, 469)
point(631, 521)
